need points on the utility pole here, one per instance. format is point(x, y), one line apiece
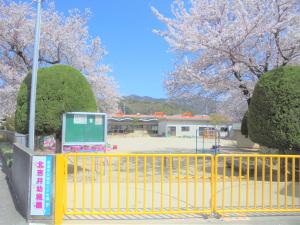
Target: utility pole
point(34, 76)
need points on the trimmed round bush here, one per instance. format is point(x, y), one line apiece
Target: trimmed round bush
point(60, 89)
point(274, 111)
point(244, 125)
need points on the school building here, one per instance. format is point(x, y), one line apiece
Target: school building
point(159, 124)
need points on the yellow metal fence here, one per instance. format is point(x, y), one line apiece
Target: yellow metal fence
point(102, 184)
point(126, 184)
point(257, 183)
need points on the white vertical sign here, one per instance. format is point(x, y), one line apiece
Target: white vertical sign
point(41, 186)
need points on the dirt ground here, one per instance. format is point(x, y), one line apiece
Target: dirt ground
point(164, 144)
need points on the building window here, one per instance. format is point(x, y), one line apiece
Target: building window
point(201, 131)
point(154, 128)
point(140, 126)
point(185, 129)
point(224, 129)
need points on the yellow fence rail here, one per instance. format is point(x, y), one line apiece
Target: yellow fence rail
point(257, 183)
point(116, 184)
point(128, 184)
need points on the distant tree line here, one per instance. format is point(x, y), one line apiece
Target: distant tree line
point(147, 105)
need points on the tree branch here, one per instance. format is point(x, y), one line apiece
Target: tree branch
point(58, 60)
point(22, 56)
point(276, 35)
point(41, 59)
point(242, 86)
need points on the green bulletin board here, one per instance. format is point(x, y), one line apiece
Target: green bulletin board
point(84, 128)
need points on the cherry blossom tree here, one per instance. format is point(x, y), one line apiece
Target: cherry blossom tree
point(225, 46)
point(64, 40)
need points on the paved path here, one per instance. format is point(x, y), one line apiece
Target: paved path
point(184, 219)
point(8, 213)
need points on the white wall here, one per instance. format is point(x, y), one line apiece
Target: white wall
point(162, 128)
point(193, 126)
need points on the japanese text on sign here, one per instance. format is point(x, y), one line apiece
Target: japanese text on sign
point(41, 185)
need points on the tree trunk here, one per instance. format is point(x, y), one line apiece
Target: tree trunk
point(242, 86)
point(248, 101)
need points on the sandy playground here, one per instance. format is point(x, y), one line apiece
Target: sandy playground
point(163, 144)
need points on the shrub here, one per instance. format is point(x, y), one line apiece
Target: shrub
point(6, 151)
point(60, 89)
point(274, 111)
point(244, 126)
point(9, 123)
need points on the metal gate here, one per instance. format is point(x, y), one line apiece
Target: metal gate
point(257, 183)
point(128, 184)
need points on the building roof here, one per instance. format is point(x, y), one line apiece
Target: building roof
point(182, 117)
point(158, 116)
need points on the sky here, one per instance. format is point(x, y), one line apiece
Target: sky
point(139, 58)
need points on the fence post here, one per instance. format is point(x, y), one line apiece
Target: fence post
point(59, 188)
point(214, 169)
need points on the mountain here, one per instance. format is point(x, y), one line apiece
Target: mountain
point(147, 105)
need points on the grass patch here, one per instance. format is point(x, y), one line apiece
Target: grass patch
point(7, 153)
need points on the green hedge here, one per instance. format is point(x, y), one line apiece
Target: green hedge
point(274, 111)
point(60, 89)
